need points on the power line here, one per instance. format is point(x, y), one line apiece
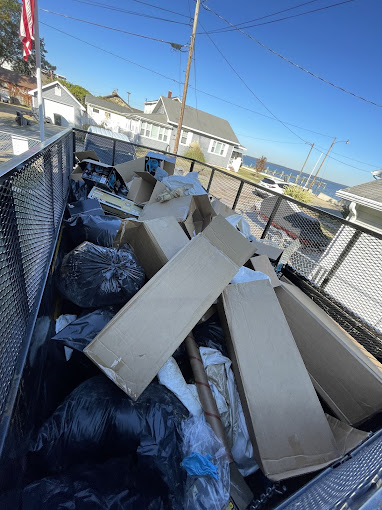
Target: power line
point(267, 140)
point(286, 17)
point(160, 8)
point(250, 90)
point(125, 11)
point(201, 91)
point(267, 16)
point(291, 62)
point(172, 44)
point(352, 159)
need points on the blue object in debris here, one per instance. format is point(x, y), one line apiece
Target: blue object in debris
point(197, 464)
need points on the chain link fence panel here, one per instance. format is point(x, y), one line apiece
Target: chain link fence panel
point(13, 144)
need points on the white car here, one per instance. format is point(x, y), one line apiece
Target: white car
point(273, 184)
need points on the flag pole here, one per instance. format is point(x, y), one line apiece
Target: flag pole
point(40, 103)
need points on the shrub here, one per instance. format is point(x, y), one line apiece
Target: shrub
point(298, 193)
point(260, 164)
point(194, 151)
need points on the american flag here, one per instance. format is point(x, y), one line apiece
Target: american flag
point(27, 27)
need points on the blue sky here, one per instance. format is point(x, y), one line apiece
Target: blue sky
point(341, 44)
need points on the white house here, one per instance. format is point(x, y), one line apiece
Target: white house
point(60, 106)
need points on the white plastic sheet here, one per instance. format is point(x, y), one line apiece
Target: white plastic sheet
point(242, 225)
point(248, 275)
point(190, 182)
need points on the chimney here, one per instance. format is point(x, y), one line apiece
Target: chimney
point(169, 94)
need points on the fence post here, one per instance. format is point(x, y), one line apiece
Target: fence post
point(192, 166)
point(270, 219)
point(113, 158)
point(74, 140)
point(341, 258)
point(210, 181)
point(237, 195)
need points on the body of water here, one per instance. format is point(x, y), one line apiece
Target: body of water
point(330, 188)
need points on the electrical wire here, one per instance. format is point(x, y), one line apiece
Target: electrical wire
point(342, 89)
point(160, 8)
point(172, 44)
point(267, 140)
point(267, 16)
point(287, 17)
point(201, 91)
point(125, 11)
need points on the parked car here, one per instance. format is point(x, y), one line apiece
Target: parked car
point(4, 97)
point(270, 183)
point(296, 223)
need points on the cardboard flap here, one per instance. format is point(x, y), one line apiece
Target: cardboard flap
point(347, 437)
point(229, 240)
point(146, 176)
point(262, 263)
point(271, 252)
point(127, 170)
point(221, 208)
point(177, 207)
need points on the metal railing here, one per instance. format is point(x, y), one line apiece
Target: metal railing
point(336, 262)
point(13, 144)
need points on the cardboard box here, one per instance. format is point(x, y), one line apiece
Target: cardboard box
point(347, 438)
point(193, 212)
point(142, 187)
point(165, 162)
point(345, 375)
point(138, 341)
point(127, 170)
point(154, 242)
point(101, 175)
point(81, 155)
point(262, 263)
point(116, 205)
point(76, 175)
point(285, 420)
point(271, 252)
point(221, 208)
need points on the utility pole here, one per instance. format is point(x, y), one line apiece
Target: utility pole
point(128, 98)
point(323, 161)
point(190, 53)
point(303, 166)
point(41, 115)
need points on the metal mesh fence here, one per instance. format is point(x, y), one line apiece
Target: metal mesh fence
point(338, 259)
point(32, 199)
point(13, 144)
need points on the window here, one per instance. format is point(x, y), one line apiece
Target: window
point(57, 90)
point(155, 132)
point(186, 137)
point(218, 148)
point(95, 110)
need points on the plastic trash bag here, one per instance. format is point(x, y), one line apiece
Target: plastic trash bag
point(78, 190)
point(80, 332)
point(190, 182)
point(205, 492)
point(210, 334)
point(100, 230)
point(98, 421)
point(248, 275)
point(116, 484)
point(241, 225)
point(94, 276)
point(223, 386)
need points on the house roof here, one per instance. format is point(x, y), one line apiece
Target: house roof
point(161, 118)
point(27, 82)
point(197, 120)
point(32, 92)
point(109, 105)
point(369, 194)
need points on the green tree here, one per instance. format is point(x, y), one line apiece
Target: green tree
point(78, 92)
point(194, 151)
point(298, 193)
point(11, 48)
point(260, 164)
point(9, 30)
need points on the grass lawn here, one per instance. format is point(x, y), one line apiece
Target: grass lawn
point(245, 173)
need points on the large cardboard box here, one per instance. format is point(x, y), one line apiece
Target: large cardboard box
point(167, 163)
point(262, 263)
point(154, 242)
point(138, 341)
point(286, 423)
point(344, 374)
point(193, 212)
point(127, 170)
point(142, 187)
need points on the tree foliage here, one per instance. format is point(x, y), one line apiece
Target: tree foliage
point(260, 164)
point(11, 48)
point(78, 92)
point(195, 152)
point(298, 193)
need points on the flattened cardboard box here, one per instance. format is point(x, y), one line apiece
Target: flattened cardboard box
point(154, 242)
point(138, 341)
point(344, 374)
point(262, 263)
point(193, 212)
point(288, 428)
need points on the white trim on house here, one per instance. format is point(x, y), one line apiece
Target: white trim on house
point(188, 137)
point(225, 148)
point(208, 135)
point(31, 92)
point(360, 200)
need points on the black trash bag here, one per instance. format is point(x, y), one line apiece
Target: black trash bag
point(98, 421)
point(100, 230)
point(79, 333)
point(211, 334)
point(114, 485)
point(78, 190)
point(93, 276)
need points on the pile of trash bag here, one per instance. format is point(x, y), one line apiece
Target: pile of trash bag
point(93, 276)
